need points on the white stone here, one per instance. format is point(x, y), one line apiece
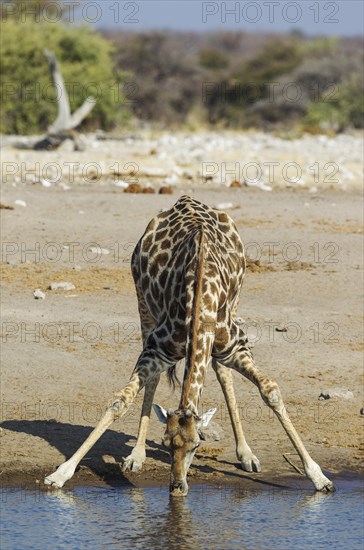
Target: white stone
point(224, 205)
point(19, 202)
point(99, 250)
point(341, 393)
point(121, 183)
point(62, 286)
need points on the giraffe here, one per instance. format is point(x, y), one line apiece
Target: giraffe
point(188, 269)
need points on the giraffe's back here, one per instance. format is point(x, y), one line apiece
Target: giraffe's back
point(166, 255)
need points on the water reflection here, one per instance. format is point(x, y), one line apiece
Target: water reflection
point(210, 517)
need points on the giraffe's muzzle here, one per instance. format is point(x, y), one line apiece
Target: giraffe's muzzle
point(178, 489)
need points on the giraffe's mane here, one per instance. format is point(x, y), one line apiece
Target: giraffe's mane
point(192, 337)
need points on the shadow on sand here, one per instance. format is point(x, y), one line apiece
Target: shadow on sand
point(68, 437)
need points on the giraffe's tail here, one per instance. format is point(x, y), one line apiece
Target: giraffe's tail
point(172, 377)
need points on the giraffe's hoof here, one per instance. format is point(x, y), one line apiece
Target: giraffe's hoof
point(60, 476)
point(134, 462)
point(250, 464)
point(56, 484)
point(328, 487)
point(319, 480)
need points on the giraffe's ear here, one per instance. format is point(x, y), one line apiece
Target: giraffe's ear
point(161, 413)
point(206, 417)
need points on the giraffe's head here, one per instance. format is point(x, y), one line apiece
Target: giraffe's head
point(181, 437)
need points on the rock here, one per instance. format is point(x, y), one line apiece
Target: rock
point(340, 393)
point(19, 202)
point(62, 286)
point(121, 183)
point(46, 183)
point(213, 432)
point(148, 189)
point(187, 175)
point(173, 179)
point(99, 250)
point(133, 188)
point(362, 411)
point(154, 173)
point(166, 190)
point(93, 175)
point(38, 294)
point(224, 206)
point(258, 184)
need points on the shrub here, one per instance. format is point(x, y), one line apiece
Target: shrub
point(236, 95)
point(345, 111)
point(164, 87)
point(211, 58)
point(27, 92)
point(316, 80)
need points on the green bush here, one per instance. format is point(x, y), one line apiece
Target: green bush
point(344, 110)
point(278, 57)
point(27, 93)
point(237, 94)
point(211, 58)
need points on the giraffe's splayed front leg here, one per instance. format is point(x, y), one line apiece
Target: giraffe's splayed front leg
point(68, 468)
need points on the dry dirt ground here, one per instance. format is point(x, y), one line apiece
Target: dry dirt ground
point(64, 356)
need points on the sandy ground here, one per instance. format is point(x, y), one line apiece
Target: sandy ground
point(63, 357)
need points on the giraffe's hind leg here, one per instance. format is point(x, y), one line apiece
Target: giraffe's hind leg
point(150, 364)
point(247, 459)
point(242, 361)
point(136, 459)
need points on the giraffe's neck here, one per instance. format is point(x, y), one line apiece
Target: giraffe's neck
point(195, 376)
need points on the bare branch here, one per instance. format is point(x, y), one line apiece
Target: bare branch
point(65, 121)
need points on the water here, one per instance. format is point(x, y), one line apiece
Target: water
point(210, 517)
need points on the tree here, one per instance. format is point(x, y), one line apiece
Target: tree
point(28, 94)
